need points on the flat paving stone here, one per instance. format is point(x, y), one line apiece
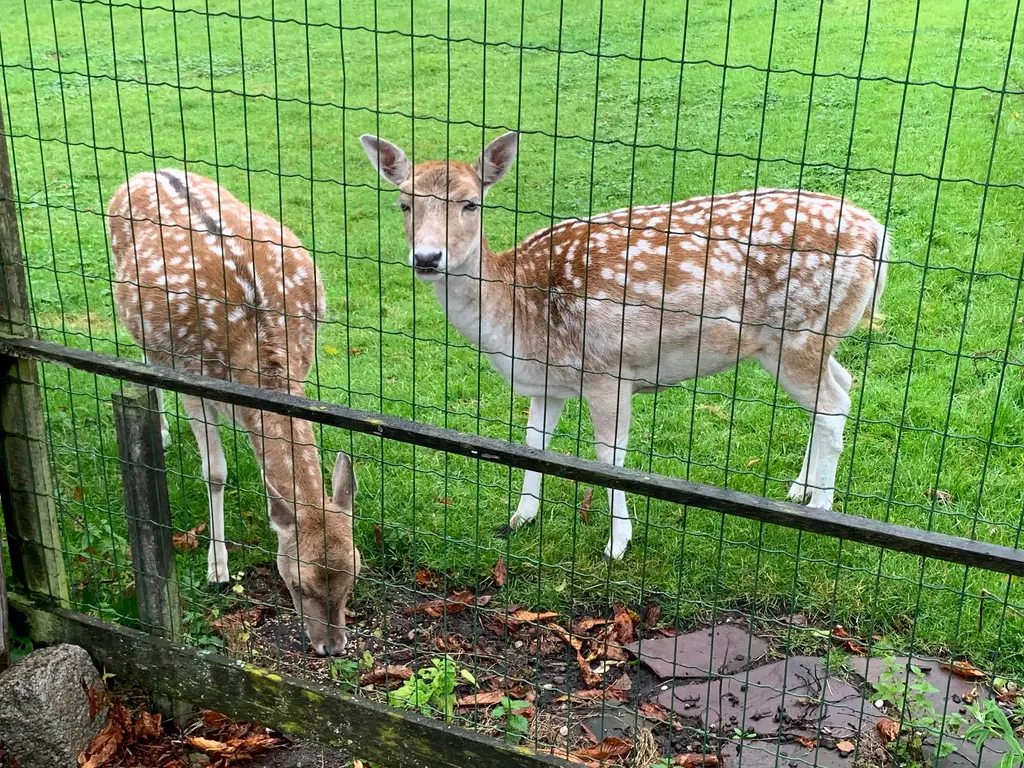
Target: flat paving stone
point(724, 649)
point(619, 721)
point(762, 754)
point(795, 694)
point(947, 698)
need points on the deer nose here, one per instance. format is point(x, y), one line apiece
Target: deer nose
point(426, 259)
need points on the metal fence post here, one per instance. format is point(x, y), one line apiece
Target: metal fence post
point(148, 511)
point(26, 487)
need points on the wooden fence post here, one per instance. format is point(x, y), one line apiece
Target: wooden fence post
point(148, 512)
point(26, 487)
point(5, 633)
point(146, 506)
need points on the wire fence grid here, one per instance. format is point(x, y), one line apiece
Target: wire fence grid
point(910, 110)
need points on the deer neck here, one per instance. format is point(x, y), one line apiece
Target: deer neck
point(478, 301)
point(288, 454)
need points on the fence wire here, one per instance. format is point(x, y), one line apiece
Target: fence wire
point(911, 111)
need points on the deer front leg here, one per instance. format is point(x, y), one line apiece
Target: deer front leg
point(611, 411)
point(540, 426)
point(203, 420)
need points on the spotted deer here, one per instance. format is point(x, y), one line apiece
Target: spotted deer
point(208, 285)
point(643, 298)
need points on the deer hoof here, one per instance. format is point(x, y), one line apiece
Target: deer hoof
point(614, 551)
point(798, 493)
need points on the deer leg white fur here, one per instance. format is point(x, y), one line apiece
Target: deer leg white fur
point(610, 413)
point(540, 426)
point(826, 397)
point(203, 419)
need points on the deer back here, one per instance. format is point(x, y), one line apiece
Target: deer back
point(207, 284)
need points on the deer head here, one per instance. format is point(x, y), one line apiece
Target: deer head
point(441, 201)
point(318, 559)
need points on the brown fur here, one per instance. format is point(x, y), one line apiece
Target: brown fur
point(209, 285)
point(643, 298)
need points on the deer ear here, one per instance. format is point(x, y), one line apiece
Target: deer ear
point(390, 161)
point(282, 513)
point(343, 482)
point(497, 158)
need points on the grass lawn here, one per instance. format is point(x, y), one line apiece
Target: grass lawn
point(96, 90)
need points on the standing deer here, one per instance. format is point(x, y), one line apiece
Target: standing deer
point(208, 285)
point(643, 298)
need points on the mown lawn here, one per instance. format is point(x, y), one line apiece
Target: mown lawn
point(95, 90)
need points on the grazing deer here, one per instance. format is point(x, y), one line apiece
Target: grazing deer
point(208, 285)
point(643, 298)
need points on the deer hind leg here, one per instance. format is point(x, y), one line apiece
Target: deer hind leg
point(610, 410)
point(822, 390)
point(203, 419)
point(165, 431)
point(540, 426)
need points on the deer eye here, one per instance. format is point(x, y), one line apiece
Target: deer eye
point(405, 207)
point(470, 206)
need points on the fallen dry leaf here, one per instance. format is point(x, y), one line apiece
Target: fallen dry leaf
point(148, 726)
point(845, 747)
point(103, 748)
point(571, 757)
point(523, 615)
point(587, 624)
point(482, 699)
point(378, 537)
point(95, 700)
point(807, 742)
point(624, 632)
point(611, 747)
point(214, 720)
point(588, 498)
point(965, 670)
point(188, 540)
point(78, 494)
point(697, 760)
point(456, 601)
point(428, 579)
point(500, 572)
point(210, 746)
point(651, 615)
point(444, 501)
point(387, 674)
point(889, 729)
point(853, 645)
point(753, 462)
point(354, 351)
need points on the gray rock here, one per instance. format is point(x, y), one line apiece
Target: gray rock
point(46, 717)
point(696, 655)
point(811, 700)
point(948, 698)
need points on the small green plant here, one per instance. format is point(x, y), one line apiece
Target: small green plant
point(908, 696)
point(345, 672)
point(516, 725)
point(992, 723)
point(432, 689)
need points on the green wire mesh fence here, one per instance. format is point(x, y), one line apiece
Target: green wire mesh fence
point(909, 111)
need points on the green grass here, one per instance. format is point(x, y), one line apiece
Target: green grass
point(939, 399)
